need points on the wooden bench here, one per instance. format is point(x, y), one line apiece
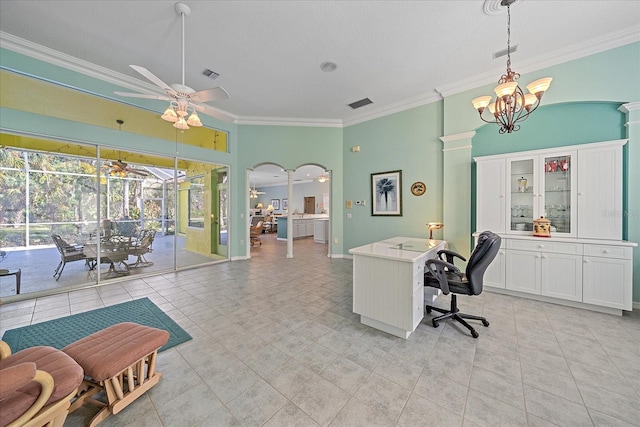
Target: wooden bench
point(119, 360)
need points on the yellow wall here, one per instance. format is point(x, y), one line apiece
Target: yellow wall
point(39, 97)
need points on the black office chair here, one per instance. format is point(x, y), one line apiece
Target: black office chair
point(447, 277)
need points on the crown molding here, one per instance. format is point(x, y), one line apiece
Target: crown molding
point(559, 56)
point(54, 57)
point(407, 104)
point(590, 47)
point(458, 137)
point(288, 121)
point(630, 106)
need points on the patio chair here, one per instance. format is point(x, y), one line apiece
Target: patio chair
point(142, 247)
point(68, 253)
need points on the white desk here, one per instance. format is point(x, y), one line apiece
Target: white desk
point(388, 283)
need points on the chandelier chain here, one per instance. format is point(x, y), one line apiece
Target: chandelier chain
point(508, 37)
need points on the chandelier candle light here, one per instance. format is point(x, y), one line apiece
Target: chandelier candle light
point(511, 104)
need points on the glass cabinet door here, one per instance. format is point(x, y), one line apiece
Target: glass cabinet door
point(522, 195)
point(558, 193)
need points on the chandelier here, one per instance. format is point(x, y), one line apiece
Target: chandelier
point(511, 104)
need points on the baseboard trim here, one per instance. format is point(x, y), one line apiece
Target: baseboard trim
point(568, 303)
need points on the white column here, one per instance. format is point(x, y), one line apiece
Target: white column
point(632, 213)
point(289, 219)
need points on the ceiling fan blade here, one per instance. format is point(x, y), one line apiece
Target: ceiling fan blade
point(208, 95)
point(216, 113)
point(143, 95)
point(152, 78)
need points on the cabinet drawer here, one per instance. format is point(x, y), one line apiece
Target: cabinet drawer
point(545, 246)
point(609, 251)
point(418, 306)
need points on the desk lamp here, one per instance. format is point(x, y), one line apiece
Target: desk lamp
point(434, 226)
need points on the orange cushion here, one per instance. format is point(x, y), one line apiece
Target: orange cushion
point(67, 376)
point(108, 352)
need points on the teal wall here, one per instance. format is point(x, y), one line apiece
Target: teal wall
point(406, 141)
point(290, 147)
point(553, 126)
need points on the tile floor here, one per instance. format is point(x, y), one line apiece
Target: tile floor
point(276, 344)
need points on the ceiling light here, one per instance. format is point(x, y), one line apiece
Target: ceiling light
point(323, 178)
point(511, 104)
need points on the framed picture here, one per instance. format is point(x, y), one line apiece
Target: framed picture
point(276, 204)
point(386, 193)
point(285, 204)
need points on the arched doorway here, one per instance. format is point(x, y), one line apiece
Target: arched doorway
point(306, 204)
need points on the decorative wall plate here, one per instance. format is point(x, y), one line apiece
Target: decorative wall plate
point(418, 188)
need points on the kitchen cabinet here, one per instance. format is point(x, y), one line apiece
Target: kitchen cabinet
point(321, 230)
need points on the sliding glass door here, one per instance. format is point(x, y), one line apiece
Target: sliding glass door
point(77, 215)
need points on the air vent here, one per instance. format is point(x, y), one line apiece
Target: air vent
point(361, 103)
point(503, 52)
point(211, 74)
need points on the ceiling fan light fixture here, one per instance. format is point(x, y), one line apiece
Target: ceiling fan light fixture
point(194, 120)
point(181, 124)
point(169, 115)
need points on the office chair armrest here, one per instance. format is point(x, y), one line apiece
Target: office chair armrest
point(439, 270)
point(450, 255)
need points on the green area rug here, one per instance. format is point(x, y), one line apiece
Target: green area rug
point(61, 332)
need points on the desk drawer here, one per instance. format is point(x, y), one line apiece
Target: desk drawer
point(545, 246)
point(609, 251)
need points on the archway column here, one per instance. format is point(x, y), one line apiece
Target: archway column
point(456, 192)
point(289, 219)
point(632, 213)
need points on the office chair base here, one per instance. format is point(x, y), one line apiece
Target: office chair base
point(454, 313)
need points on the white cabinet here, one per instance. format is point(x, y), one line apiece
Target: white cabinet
point(578, 188)
point(561, 276)
point(600, 193)
point(542, 185)
point(495, 275)
point(581, 271)
point(543, 267)
point(607, 274)
point(320, 230)
point(523, 271)
point(388, 283)
point(490, 198)
point(308, 227)
point(302, 228)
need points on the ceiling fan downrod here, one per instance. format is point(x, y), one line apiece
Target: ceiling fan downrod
point(183, 10)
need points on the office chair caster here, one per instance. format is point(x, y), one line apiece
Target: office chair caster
point(435, 324)
point(485, 323)
point(474, 333)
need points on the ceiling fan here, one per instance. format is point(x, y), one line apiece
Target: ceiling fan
point(121, 169)
point(253, 193)
point(183, 100)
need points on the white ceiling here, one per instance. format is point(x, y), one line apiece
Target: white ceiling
point(268, 53)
